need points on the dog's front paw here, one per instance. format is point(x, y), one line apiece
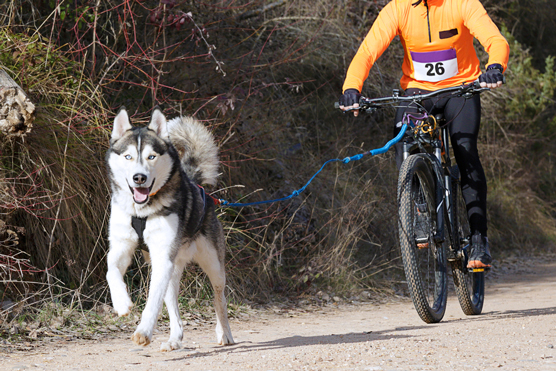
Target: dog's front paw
point(224, 335)
point(122, 306)
point(140, 338)
point(225, 339)
point(170, 345)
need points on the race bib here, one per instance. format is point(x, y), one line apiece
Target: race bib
point(435, 66)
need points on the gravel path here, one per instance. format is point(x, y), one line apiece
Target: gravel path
point(516, 331)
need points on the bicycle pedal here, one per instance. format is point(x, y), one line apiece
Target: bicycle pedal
point(476, 270)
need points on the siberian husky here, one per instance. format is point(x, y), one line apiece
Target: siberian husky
point(154, 173)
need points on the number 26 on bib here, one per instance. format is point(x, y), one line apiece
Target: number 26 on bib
point(434, 66)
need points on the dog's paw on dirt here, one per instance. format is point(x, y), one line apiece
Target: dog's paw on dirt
point(226, 339)
point(170, 346)
point(140, 339)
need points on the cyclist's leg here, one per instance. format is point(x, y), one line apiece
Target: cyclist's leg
point(463, 117)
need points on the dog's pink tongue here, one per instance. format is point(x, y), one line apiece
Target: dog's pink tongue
point(140, 194)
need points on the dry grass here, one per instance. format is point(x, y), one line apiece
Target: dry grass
point(53, 189)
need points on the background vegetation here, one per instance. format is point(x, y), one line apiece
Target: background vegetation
point(263, 75)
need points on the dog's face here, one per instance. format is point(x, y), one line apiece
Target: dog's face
point(139, 158)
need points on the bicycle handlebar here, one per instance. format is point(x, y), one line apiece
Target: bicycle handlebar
point(460, 90)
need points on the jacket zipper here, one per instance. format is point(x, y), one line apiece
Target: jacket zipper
point(428, 21)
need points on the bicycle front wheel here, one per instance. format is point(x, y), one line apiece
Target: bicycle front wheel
point(424, 261)
point(470, 287)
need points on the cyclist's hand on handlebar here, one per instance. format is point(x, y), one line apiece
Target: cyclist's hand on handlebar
point(493, 77)
point(350, 101)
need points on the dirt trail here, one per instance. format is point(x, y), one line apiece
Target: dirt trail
point(516, 331)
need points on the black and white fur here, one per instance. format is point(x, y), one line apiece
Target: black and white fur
point(154, 172)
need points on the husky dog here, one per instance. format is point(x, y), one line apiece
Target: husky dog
point(154, 173)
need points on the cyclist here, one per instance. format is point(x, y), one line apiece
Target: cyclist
point(437, 37)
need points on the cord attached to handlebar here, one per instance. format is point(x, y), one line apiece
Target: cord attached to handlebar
point(345, 160)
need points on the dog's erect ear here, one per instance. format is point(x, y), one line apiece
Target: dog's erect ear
point(121, 124)
point(159, 124)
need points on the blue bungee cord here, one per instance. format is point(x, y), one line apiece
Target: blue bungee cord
point(346, 160)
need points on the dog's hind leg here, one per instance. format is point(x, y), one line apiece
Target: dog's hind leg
point(171, 300)
point(207, 258)
point(123, 242)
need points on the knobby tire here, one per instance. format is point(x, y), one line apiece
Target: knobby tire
point(470, 287)
point(426, 268)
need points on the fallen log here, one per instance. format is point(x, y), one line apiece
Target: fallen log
point(17, 112)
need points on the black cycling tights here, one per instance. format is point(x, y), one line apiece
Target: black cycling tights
point(463, 117)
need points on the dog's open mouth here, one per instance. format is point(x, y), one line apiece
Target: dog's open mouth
point(140, 194)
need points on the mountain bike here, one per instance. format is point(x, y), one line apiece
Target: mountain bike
point(433, 224)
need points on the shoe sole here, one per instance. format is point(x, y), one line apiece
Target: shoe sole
point(477, 266)
point(424, 245)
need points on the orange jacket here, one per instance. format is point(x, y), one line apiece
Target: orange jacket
point(437, 37)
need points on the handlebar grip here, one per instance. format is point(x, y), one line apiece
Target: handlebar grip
point(336, 104)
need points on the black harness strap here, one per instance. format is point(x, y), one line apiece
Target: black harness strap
point(139, 225)
point(202, 217)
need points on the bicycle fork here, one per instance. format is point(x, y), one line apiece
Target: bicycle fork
point(442, 190)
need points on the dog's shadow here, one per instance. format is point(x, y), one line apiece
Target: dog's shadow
point(298, 341)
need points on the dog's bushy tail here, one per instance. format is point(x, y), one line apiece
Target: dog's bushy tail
point(197, 149)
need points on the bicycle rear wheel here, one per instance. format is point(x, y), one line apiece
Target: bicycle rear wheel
point(470, 287)
point(425, 266)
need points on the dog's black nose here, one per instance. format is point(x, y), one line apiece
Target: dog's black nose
point(139, 178)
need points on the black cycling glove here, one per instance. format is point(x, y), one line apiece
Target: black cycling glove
point(492, 75)
point(350, 97)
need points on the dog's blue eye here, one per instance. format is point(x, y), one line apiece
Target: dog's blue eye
point(127, 157)
point(151, 157)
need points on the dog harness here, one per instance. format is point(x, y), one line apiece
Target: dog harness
point(140, 223)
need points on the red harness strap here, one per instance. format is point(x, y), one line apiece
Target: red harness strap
point(215, 200)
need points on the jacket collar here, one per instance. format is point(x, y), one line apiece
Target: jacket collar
point(426, 3)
